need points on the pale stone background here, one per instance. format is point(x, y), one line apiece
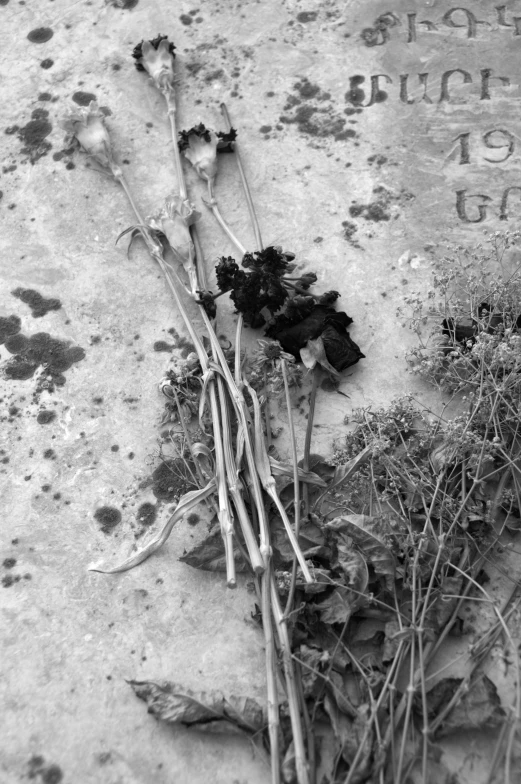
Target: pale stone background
point(70, 637)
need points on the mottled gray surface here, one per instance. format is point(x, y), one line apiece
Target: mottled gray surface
point(362, 197)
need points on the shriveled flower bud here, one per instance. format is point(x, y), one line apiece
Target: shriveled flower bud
point(174, 221)
point(156, 57)
point(199, 145)
point(86, 125)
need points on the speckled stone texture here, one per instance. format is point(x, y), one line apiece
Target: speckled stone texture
point(362, 176)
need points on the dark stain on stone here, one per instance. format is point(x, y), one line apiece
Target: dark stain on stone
point(17, 344)
point(146, 514)
point(4, 2)
point(11, 579)
point(265, 129)
point(114, 448)
point(56, 356)
point(38, 304)
point(350, 230)
point(97, 400)
point(44, 417)
point(9, 325)
point(172, 479)
point(49, 774)
point(379, 160)
point(193, 68)
point(126, 5)
point(40, 35)
point(308, 90)
point(306, 16)
point(162, 345)
point(193, 519)
point(378, 209)
point(108, 517)
point(185, 19)
point(33, 137)
point(47, 63)
point(82, 98)
point(46, 488)
point(213, 75)
point(39, 114)
point(44, 97)
point(8, 563)
point(49, 454)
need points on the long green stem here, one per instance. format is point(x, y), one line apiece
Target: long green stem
point(293, 701)
point(171, 109)
point(212, 204)
point(296, 486)
point(309, 433)
point(271, 675)
point(247, 193)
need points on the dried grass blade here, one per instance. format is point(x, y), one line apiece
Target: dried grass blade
point(187, 502)
point(283, 469)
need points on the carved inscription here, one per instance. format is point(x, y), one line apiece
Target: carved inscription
point(432, 92)
point(430, 89)
point(459, 20)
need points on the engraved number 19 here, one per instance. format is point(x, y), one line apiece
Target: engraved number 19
point(497, 139)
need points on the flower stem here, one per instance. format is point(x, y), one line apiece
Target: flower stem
point(212, 204)
point(247, 193)
point(291, 686)
point(171, 108)
point(309, 433)
point(296, 486)
point(271, 676)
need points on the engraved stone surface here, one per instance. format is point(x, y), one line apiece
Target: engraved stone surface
point(371, 133)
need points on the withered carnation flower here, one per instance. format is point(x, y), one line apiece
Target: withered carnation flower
point(200, 146)
point(262, 287)
point(86, 126)
point(156, 57)
point(174, 220)
point(320, 321)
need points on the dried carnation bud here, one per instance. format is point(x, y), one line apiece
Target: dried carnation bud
point(156, 57)
point(86, 125)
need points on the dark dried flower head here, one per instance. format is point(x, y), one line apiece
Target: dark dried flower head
point(137, 52)
point(328, 298)
point(272, 260)
point(320, 321)
point(200, 131)
point(228, 273)
point(207, 300)
point(226, 140)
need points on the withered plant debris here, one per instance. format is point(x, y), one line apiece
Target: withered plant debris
point(361, 565)
point(210, 710)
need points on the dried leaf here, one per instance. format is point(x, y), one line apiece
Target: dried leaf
point(310, 536)
point(343, 472)
point(369, 535)
point(392, 640)
point(286, 470)
point(289, 765)
point(444, 606)
point(338, 607)
point(173, 704)
point(478, 707)
point(209, 555)
point(354, 567)
point(349, 735)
